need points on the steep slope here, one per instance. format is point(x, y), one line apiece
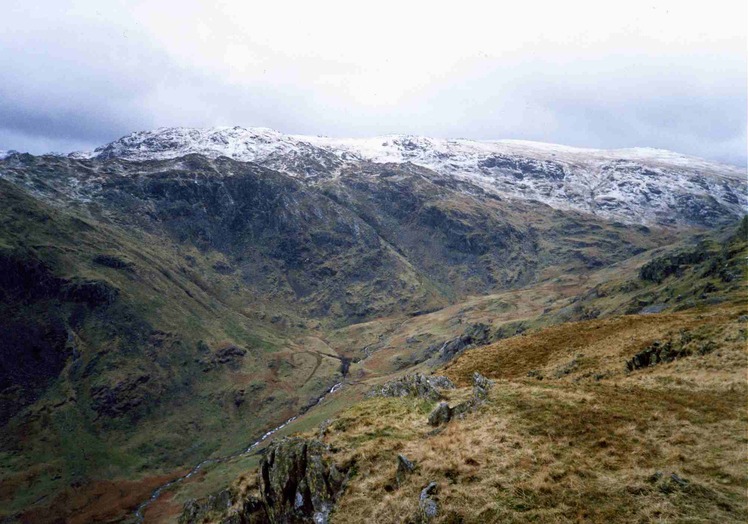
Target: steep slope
point(378, 239)
point(125, 358)
point(638, 185)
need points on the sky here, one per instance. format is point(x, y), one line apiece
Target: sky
point(78, 74)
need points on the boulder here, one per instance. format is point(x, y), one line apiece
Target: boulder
point(481, 387)
point(427, 505)
point(404, 468)
point(441, 414)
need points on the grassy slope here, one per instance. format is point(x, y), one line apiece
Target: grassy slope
point(59, 450)
point(585, 441)
point(581, 446)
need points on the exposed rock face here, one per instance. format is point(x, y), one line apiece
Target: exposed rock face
point(416, 385)
point(229, 355)
point(633, 185)
point(197, 510)
point(92, 292)
point(297, 483)
point(658, 352)
point(475, 335)
point(123, 397)
point(112, 261)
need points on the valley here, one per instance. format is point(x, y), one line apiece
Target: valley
point(175, 295)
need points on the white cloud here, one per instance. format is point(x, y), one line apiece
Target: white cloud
point(666, 74)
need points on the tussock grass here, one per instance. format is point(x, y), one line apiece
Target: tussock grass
point(567, 449)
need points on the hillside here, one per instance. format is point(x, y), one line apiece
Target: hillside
point(640, 185)
point(582, 422)
point(174, 296)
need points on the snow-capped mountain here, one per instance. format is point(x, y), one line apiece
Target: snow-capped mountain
point(639, 185)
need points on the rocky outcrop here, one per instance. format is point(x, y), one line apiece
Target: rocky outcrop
point(113, 261)
point(124, 397)
point(481, 387)
point(298, 483)
point(443, 412)
point(92, 292)
point(198, 510)
point(229, 355)
point(475, 335)
point(658, 352)
point(416, 385)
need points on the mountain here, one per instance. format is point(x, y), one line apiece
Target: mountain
point(173, 296)
point(640, 185)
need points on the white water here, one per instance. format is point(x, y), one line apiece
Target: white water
point(157, 492)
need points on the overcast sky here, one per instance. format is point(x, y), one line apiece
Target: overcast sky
point(75, 75)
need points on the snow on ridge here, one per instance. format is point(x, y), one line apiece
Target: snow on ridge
point(255, 144)
point(637, 185)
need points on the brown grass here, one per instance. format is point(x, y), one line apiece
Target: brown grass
point(599, 345)
point(573, 449)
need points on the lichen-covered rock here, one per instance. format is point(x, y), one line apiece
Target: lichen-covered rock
point(297, 482)
point(441, 414)
point(416, 385)
point(440, 382)
point(481, 387)
point(404, 468)
point(198, 510)
point(427, 505)
point(463, 408)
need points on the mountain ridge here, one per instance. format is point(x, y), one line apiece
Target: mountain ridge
point(635, 185)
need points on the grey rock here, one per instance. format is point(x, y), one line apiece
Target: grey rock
point(416, 385)
point(461, 409)
point(297, 483)
point(197, 510)
point(404, 468)
point(679, 480)
point(652, 309)
point(475, 335)
point(481, 387)
point(324, 427)
point(441, 414)
point(427, 504)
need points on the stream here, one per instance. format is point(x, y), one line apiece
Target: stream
point(139, 517)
